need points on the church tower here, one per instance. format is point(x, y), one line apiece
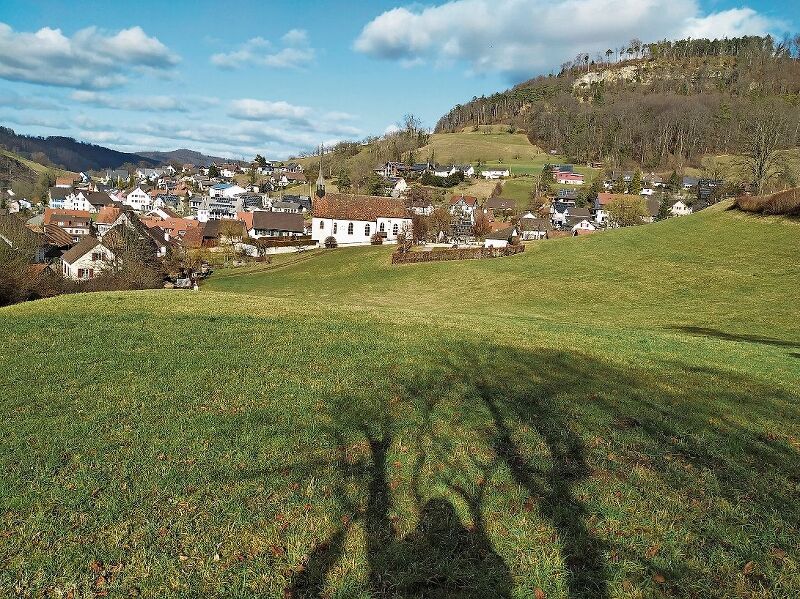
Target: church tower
point(320, 179)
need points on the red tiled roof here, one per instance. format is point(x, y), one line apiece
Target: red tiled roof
point(355, 207)
point(53, 214)
point(604, 198)
point(107, 215)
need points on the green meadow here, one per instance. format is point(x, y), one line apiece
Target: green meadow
point(614, 415)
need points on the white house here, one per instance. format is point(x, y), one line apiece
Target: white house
point(353, 220)
point(465, 205)
point(138, 199)
point(583, 225)
point(86, 260)
point(501, 238)
point(495, 173)
point(441, 171)
point(467, 169)
point(565, 178)
point(399, 188)
point(680, 209)
point(225, 190)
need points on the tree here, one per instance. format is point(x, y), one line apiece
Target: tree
point(260, 161)
point(497, 191)
point(252, 176)
point(482, 227)
point(343, 181)
point(635, 187)
point(766, 130)
point(609, 54)
point(626, 211)
point(674, 182)
point(618, 185)
point(440, 222)
point(419, 227)
point(213, 171)
point(547, 175)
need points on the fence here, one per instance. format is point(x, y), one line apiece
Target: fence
point(436, 255)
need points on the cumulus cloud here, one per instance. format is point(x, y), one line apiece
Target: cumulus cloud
point(523, 37)
point(298, 117)
point(90, 59)
point(295, 52)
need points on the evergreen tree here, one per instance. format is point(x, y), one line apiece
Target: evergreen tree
point(635, 187)
point(674, 182)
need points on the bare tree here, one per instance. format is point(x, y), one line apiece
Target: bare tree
point(765, 131)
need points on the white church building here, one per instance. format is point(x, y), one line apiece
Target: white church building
point(354, 219)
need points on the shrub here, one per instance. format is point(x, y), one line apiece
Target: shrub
point(330, 242)
point(784, 202)
point(376, 239)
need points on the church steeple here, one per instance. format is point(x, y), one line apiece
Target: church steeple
point(320, 178)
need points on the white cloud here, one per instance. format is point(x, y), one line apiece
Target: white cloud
point(728, 23)
point(393, 128)
point(296, 53)
point(520, 38)
point(264, 110)
point(11, 99)
point(145, 103)
point(90, 59)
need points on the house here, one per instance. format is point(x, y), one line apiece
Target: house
point(105, 219)
point(679, 208)
point(689, 182)
point(563, 214)
point(304, 201)
point(495, 173)
point(441, 171)
point(653, 206)
point(117, 177)
point(283, 206)
point(500, 205)
point(273, 224)
point(97, 200)
point(467, 169)
point(174, 227)
point(567, 194)
point(399, 188)
point(67, 181)
point(532, 227)
point(151, 174)
point(580, 226)
point(420, 206)
point(138, 199)
point(289, 179)
point(17, 236)
point(225, 190)
point(500, 238)
point(87, 260)
point(568, 178)
point(352, 219)
point(466, 205)
point(77, 223)
point(57, 196)
point(227, 231)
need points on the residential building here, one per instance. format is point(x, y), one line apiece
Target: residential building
point(495, 173)
point(87, 260)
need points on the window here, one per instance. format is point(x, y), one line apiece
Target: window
point(350, 229)
point(382, 228)
point(80, 273)
point(335, 227)
point(322, 225)
point(96, 256)
point(91, 273)
point(394, 229)
point(366, 229)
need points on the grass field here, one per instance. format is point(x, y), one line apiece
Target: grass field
point(608, 416)
point(35, 166)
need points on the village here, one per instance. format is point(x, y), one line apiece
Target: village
point(185, 217)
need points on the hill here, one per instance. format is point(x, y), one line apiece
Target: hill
point(615, 415)
point(184, 156)
point(668, 105)
point(25, 176)
point(67, 153)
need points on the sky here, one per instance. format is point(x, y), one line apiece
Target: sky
point(280, 77)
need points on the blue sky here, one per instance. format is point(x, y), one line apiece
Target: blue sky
point(280, 77)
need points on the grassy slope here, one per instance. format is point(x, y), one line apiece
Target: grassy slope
point(613, 415)
point(35, 166)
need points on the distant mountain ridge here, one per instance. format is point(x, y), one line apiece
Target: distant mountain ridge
point(185, 156)
point(69, 153)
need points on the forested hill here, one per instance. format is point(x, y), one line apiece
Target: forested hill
point(67, 153)
point(652, 103)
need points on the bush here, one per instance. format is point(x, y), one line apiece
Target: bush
point(330, 242)
point(784, 202)
point(376, 239)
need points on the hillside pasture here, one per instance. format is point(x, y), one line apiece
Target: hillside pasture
point(616, 415)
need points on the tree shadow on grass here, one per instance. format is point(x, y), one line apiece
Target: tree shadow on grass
point(530, 414)
point(736, 337)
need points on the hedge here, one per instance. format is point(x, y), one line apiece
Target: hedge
point(455, 254)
